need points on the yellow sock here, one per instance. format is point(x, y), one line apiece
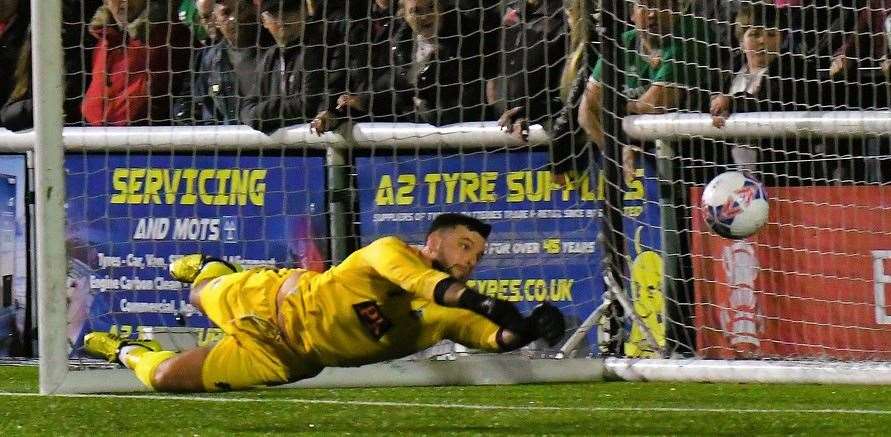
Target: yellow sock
point(143, 362)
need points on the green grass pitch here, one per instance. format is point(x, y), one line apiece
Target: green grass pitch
point(609, 408)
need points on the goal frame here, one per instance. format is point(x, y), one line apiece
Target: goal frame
point(57, 378)
point(47, 145)
point(54, 364)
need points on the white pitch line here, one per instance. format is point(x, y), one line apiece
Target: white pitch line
point(457, 406)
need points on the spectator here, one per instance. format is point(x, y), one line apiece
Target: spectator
point(570, 148)
point(818, 27)
point(190, 15)
point(15, 47)
point(718, 16)
point(377, 33)
point(581, 57)
point(16, 101)
point(224, 71)
point(534, 48)
point(867, 44)
point(666, 62)
point(14, 25)
point(206, 22)
point(771, 80)
point(141, 57)
point(455, 53)
point(301, 73)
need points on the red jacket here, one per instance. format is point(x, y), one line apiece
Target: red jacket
point(132, 80)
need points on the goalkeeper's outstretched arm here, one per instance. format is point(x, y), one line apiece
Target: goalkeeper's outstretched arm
point(546, 321)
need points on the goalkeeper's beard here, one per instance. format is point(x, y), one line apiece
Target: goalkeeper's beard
point(448, 269)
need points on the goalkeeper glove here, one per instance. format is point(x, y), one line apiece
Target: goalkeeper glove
point(195, 268)
point(502, 313)
point(547, 323)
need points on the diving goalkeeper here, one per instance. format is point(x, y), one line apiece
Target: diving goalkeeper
point(385, 301)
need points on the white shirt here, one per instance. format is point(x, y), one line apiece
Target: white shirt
point(747, 82)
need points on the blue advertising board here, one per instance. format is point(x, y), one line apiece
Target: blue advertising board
point(543, 244)
point(13, 255)
point(130, 215)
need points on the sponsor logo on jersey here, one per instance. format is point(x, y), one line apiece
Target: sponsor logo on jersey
point(370, 315)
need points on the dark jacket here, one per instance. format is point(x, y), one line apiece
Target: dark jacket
point(790, 84)
point(297, 82)
point(452, 87)
point(13, 48)
point(221, 77)
point(534, 52)
point(379, 40)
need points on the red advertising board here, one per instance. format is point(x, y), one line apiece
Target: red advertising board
point(813, 283)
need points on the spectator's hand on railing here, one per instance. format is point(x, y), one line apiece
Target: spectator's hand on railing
point(886, 68)
point(629, 163)
point(323, 122)
point(514, 123)
point(838, 66)
point(720, 110)
point(346, 101)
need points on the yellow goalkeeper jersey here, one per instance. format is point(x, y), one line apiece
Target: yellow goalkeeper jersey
point(378, 305)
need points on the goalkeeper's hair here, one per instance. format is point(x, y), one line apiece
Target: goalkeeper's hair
point(451, 220)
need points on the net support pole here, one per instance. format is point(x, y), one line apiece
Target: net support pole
point(612, 57)
point(338, 202)
point(671, 194)
point(49, 175)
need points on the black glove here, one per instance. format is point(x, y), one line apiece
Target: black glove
point(502, 313)
point(547, 323)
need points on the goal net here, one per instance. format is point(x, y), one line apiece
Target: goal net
point(795, 95)
point(290, 133)
point(192, 135)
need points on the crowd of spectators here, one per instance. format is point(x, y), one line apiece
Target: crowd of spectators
point(275, 63)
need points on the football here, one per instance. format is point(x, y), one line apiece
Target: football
point(735, 205)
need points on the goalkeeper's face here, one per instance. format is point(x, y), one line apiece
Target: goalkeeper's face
point(456, 250)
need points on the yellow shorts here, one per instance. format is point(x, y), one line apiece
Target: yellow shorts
point(253, 350)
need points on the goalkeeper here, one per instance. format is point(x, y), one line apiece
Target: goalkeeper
point(385, 301)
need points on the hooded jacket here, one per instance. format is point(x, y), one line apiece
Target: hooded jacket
point(136, 68)
point(534, 51)
point(450, 86)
